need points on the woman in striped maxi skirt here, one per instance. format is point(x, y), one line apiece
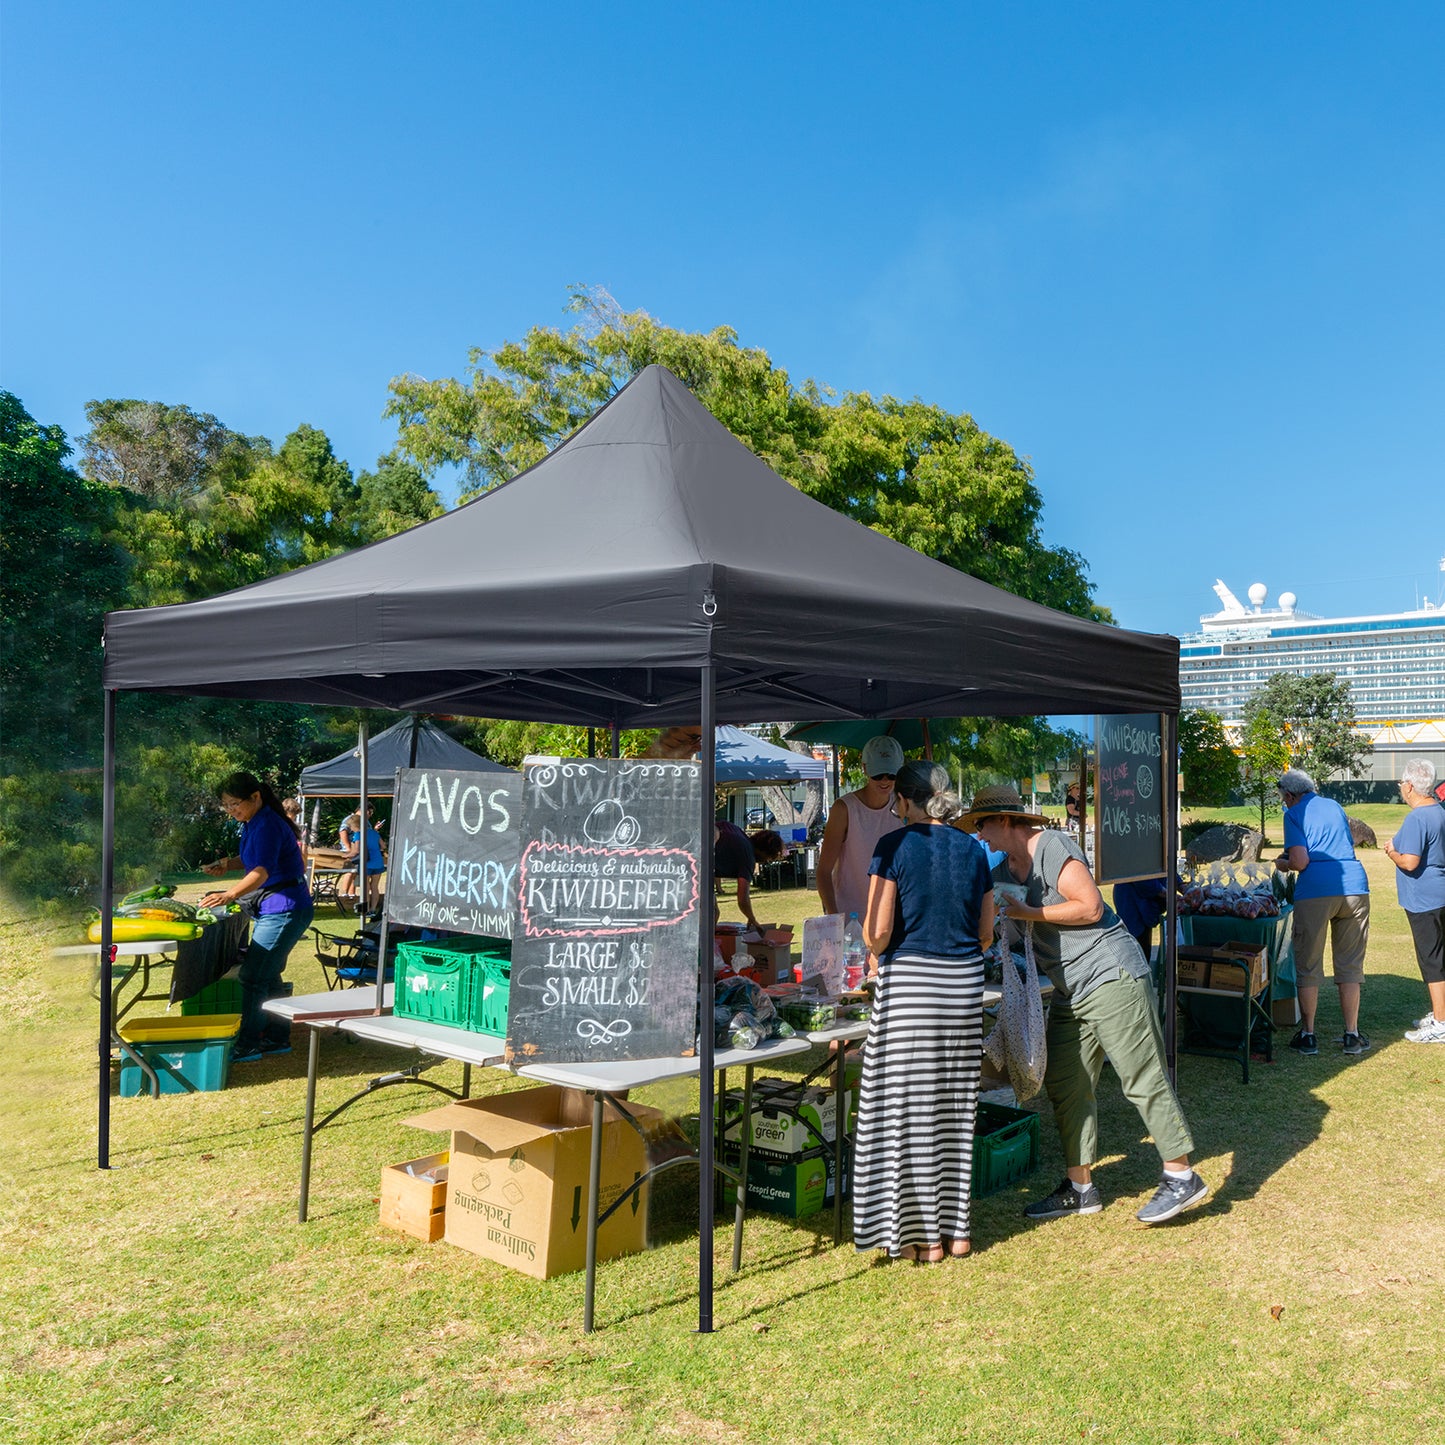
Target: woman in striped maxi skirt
point(930, 906)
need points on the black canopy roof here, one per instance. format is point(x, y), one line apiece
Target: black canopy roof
point(594, 586)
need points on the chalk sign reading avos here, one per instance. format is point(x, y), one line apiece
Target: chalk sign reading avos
point(605, 955)
point(1129, 798)
point(454, 846)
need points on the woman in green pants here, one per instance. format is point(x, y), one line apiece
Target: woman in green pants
point(1103, 1008)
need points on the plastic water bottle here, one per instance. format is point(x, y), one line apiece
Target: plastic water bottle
point(854, 954)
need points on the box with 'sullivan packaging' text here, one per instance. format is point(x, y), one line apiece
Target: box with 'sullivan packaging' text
point(517, 1178)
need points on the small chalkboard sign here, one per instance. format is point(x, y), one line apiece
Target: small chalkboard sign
point(455, 839)
point(609, 902)
point(1129, 798)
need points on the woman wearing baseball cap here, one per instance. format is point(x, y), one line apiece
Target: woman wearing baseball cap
point(1103, 1008)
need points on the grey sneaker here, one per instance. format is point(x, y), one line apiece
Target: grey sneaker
point(1303, 1043)
point(1429, 1030)
point(1172, 1197)
point(1354, 1043)
point(1065, 1200)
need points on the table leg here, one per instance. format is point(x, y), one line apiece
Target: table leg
point(744, 1139)
point(594, 1174)
point(466, 1081)
point(313, 1056)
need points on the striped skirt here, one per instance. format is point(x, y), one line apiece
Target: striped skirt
point(913, 1152)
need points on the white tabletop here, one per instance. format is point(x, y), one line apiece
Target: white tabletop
point(442, 1040)
point(618, 1074)
point(336, 1001)
point(122, 950)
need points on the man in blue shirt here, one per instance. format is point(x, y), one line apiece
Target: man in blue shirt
point(1331, 896)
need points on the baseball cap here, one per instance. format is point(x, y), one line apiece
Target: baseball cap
point(882, 755)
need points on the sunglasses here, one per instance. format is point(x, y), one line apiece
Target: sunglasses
point(882, 777)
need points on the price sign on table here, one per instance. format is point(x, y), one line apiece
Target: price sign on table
point(1129, 798)
point(609, 900)
point(454, 844)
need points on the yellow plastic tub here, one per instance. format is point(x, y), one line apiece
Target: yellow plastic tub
point(174, 1027)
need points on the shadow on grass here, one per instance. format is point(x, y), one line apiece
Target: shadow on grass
point(1262, 1125)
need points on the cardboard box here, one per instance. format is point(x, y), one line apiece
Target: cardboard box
point(517, 1184)
point(795, 1187)
point(773, 962)
point(1192, 966)
point(413, 1205)
point(1224, 968)
point(788, 1121)
point(1237, 962)
point(1285, 1012)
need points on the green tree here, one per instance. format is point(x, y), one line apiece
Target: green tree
point(389, 500)
point(1265, 757)
point(1314, 718)
point(58, 574)
point(243, 514)
point(167, 454)
point(1210, 765)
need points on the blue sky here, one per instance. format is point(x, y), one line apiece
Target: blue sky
point(1187, 259)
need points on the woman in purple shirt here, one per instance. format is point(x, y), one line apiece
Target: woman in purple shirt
point(274, 872)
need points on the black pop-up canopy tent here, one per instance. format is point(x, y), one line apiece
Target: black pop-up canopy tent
point(651, 570)
point(411, 743)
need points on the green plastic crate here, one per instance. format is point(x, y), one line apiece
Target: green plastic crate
point(488, 994)
point(221, 997)
point(1005, 1147)
point(464, 983)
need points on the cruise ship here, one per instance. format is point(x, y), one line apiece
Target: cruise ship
point(1394, 663)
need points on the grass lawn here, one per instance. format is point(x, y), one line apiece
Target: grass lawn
point(175, 1297)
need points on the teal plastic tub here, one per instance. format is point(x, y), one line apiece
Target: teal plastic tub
point(191, 1054)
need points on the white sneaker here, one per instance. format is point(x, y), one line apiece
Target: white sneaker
point(1430, 1030)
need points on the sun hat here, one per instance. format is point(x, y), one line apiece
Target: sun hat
point(881, 755)
point(999, 801)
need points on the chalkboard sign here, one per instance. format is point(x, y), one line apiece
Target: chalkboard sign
point(609, 901)
point(455, 838)
point(1129, 798)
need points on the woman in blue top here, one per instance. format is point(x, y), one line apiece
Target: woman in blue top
point(1331, 895)
point(1418, 853)
point(930, 907)
point(271, 857)
point(347, 885)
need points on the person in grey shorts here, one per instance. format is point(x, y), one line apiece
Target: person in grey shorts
point(1418, 852)
point(1103, 1008)
point(1331, 897)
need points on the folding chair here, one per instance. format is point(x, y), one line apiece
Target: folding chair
point(346, 962)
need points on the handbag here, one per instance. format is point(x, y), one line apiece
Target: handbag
point(1016, 1046)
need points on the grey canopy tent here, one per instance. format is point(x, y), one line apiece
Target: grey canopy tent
point(649, 571)
point(411, 743)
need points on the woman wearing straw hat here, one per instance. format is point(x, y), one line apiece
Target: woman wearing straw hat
point(930, 907)
point(1103, 1008)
